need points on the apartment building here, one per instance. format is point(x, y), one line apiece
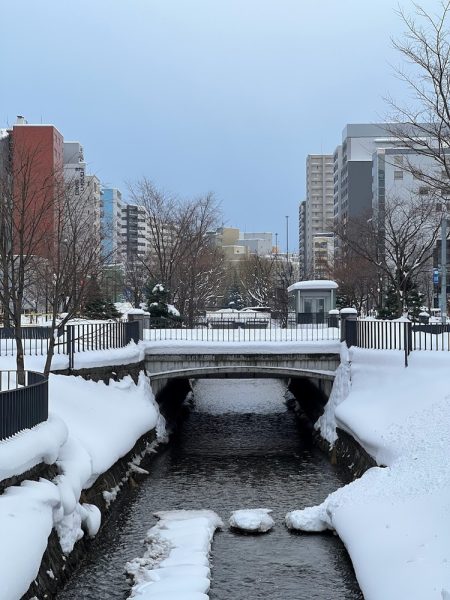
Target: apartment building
point(302, 254)
point(319, 208)
point(238, 245)
point(33, 156)
point(112, 206)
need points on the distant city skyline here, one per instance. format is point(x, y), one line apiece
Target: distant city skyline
point(228, 97)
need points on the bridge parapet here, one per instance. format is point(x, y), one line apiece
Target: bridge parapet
point(157, 363)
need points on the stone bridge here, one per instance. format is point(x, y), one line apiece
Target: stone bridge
point(317, 368)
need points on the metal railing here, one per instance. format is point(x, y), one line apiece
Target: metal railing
point(72, 338)
point(406, 336)
point(98, 336)
point(248, 330)
point(22, 406)
point(35, 340)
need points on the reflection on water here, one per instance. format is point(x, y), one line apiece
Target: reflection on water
point(225, 462)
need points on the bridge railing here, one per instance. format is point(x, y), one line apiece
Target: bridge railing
point(250, 330)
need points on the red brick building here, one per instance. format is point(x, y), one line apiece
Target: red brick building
point(37, 181)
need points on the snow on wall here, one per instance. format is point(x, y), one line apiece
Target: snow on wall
point(90, 427)
point(32, 446)
point(394, 521)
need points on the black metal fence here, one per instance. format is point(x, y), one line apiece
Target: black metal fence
point(71, 338)
point(99, 336)
point(246, 330)
point(22, 406)
point(402, 335)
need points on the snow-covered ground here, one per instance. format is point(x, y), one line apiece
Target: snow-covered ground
point(132, 353)
point(175, 565)
point(90, 427)
point(394, 521)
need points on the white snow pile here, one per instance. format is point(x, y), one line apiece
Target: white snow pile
point(175, 565)
point(341, 387)
point(254, 520)
point(104, 424)
point(91, 426)
point(394, 521)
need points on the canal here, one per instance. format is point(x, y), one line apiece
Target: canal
point(239, 447)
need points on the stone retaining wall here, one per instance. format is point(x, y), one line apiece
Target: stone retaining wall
point(56, 568)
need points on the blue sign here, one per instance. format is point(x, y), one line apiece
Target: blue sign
point(435, 276)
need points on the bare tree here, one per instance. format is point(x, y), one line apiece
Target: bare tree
point(358, 282)
point(180, 255)
point(424, 126)
point(74, 258)
point(169, 221)
point(257, 275)
point(135, 280)
point(398, 241)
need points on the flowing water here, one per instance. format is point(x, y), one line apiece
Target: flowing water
point(225, 461)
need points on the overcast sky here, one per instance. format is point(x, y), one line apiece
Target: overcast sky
point(202, 95)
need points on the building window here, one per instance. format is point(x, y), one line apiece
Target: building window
point(423, 190)
point(398, 174)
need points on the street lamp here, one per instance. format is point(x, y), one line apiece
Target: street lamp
point(287, 238)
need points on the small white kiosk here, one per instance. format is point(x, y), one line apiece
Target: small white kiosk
point(312, 300)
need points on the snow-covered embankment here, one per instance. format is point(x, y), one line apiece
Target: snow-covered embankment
point(394, 521)
point(91, 426)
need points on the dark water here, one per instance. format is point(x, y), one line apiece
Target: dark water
point(226, 462)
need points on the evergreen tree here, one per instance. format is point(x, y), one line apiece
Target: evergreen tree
point(412, 303)
point(97, 307)
point(234, 298)
point(157, 303)
point(157, 297)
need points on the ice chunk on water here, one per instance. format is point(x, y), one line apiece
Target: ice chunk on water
point(252, 519)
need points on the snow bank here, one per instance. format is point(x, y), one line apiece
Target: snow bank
point(395, 521)
point(91, 426)
point(27, 514)
point(132, 353)
point(175, 565)
point(252, 520)
point(32, 446)
point(125, 412)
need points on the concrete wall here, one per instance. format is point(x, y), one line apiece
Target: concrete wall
point(160, 363)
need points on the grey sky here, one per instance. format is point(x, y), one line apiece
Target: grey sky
point(199, 95)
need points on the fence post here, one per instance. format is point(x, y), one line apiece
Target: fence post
point(70, 343)
point(349, 326)
point(132, 331)
point(407, 332)
point(138, 316)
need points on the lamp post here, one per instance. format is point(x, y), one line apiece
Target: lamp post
point(287, 238)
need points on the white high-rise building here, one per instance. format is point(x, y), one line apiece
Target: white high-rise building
point(84, 190)
point(319, 209)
